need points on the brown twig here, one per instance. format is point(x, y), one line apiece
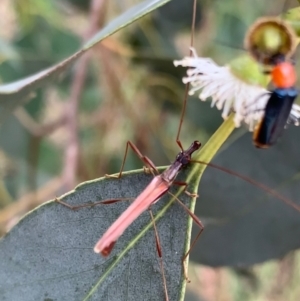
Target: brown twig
point(97, 12)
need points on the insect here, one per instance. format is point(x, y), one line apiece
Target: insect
point(279, 105)
point(270, 42)
point(277, 110)
point(150, 195)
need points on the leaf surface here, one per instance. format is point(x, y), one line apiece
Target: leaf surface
point(246, 223)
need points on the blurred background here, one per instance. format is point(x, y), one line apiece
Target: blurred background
point(126, 88)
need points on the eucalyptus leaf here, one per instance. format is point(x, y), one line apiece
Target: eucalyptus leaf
point(246, 223)
point(15, 93)
point(49, 253)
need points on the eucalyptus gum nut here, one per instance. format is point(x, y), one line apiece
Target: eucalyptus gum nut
point(249, 71)
point(269, 38)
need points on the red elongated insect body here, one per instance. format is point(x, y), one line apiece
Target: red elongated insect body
point(279, 105)
point(151, 194)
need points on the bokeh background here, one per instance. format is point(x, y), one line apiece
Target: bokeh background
point(75, 129)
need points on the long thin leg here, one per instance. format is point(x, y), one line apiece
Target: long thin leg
point(159, 252)
point(192, 195)
point(145, 159)
point(188, 84)
point(252, 182)
point(103, 202)
point(195, 218)
point(200, 225)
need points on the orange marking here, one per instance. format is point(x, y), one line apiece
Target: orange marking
point(284, 75)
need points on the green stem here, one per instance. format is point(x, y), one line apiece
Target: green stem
point(206, 154)
point(210, 149)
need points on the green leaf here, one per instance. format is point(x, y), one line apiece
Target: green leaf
point(14, 94)
point(49, 253)
point(246, 223)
